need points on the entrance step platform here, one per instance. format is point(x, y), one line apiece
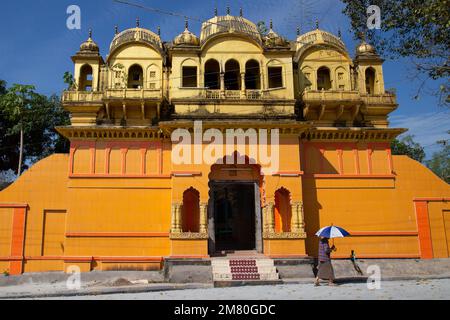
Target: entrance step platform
point(237, 270)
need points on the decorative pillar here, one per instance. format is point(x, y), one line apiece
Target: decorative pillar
point(176, 218)
point(270, 217)
point(203, 218)
point(297, 223)
point(222, 84)
point(243, 85)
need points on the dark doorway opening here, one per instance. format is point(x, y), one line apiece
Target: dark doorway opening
point(234, 216)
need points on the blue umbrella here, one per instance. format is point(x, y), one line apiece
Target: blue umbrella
point(331, 232)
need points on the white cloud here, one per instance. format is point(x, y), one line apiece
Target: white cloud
point(426, 128)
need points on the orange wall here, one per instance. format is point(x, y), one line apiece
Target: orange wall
point(73, 211)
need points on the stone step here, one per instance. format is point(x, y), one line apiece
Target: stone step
point(243, 263)
point(245, 276)
point(228, 269)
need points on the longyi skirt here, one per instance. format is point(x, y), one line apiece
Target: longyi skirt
point(325, 271)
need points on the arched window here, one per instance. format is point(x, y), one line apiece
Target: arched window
point(191, 211)
point(212, 74)
point(370, 81)
point(323, 79)
point(135, 77)
point(252, 75)
point(86, 78)
point(283, 211)
point(232, 75)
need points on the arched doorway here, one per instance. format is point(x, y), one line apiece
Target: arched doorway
point(234, 216)
point(323, 79)
point(135, 77)
point(370, 81)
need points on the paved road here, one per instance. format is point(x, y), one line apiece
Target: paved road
point(423, 289)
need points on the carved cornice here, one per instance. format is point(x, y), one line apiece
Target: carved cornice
point(105, 133)
point(351, 134)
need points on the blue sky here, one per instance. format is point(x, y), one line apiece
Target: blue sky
point(36, 45)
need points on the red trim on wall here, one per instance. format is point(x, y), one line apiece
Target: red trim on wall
point(117, 234)
point(288, 173)
point(89, 258)
point(18, 239)
point(352, 176)
point(390, 161)
point(383, 233)
point(356, 159)
point(118, 176)
point(369, 160)
point(431, 199)
point(379, 256)
point(190, 257)
point(423, 225)
point(13, 205)
point(340, 160)
point(143, 160)
point(92, 149)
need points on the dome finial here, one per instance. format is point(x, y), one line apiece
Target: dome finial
point(339, 33)
point(159, 31)
point(116, 29)
point(271, 24)
point(298, 31)
point(241, 13)
point(138, 22)
point(317, 23)
point(186, 23)
point(215, 11)
point(90, 33)
point(228, 10)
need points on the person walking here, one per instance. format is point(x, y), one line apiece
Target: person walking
point(325, 268)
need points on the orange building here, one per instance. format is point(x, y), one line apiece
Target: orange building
point(308, 124)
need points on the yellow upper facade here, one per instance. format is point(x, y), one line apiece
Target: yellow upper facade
point(229, 71)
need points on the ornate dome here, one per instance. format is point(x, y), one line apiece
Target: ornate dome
point(365, 48)
point(186, 38)
point(89, 47)
point(273, 39)
point(229, 24)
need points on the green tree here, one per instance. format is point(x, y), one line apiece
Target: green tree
point(27, 121)
point(440, 161)
point(16, 103)
point(409, 28)
point(69, 80)
point(408, 147)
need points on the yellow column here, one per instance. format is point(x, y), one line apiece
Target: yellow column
point(176, 218)
point(271, 218)
point(203, 218)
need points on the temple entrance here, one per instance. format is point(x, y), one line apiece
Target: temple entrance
point(235, 220)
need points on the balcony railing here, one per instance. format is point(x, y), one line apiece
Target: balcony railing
point(82, 96)
point(235, 94)
point(133, 94)
point(99, 96)
point(331, 95)
point(386, 98)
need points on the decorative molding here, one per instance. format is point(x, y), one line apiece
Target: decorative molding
point(188, 236)
point(284, 235)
